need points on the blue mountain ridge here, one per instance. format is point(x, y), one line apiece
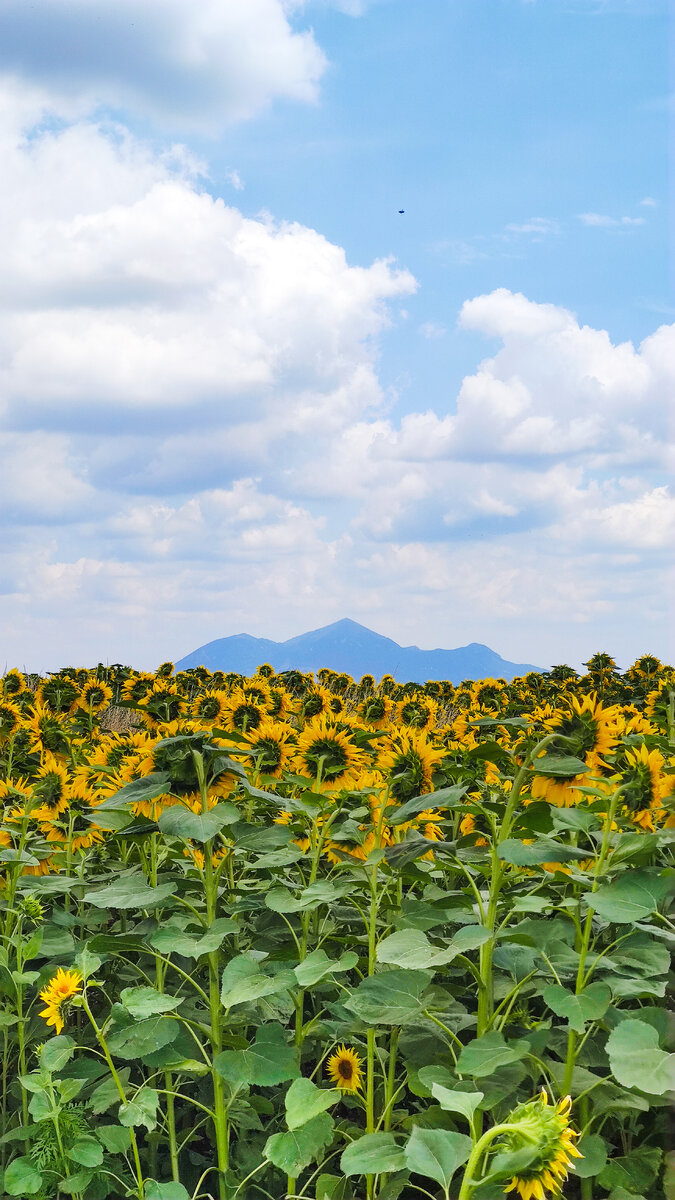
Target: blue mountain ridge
point(347, 646)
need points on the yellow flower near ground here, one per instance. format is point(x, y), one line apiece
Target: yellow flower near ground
point(555, 1146)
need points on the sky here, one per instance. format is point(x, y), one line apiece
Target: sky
point(240, 391)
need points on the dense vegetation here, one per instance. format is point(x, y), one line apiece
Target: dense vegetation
point(284, 936)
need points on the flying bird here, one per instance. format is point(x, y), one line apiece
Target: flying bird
point(401, 211)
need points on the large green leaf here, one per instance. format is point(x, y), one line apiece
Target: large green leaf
point(86, 1151)
point(544, 850)
point(148, 788)
point(392, 998)
point(411, 949)
point(486, 1054)
point(142, 1110)
point(448, 797)
point(304, 1101)
point(436, 1153)
point(131, 893)
point(293, 1151)
point(140, 1038)
point(165, 1191)
point(631, 897)
point(267, 1062)
point(244, 981)
point(169, 939)
point(22, 1178)
point(318, 965)
point(594, 1151)
point(372, 1154)
point(636, 1059)
point(589, 1005)
point(182, 822)
point(452, 1100)
point(559, 766)
point(144, 1002)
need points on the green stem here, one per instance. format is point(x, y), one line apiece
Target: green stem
point(120, 1091)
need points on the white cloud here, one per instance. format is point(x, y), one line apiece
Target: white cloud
point(432, 330)
point(538, 226)
point(649, 202)
point(184, 65)
point(603, 221)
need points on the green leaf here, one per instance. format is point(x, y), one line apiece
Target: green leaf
point(448, 797)
point(304, 1101)
point(170, 939)
point(243, 981)
point(544, 850)
point(594, 1150)
point(143, 1037)
point(87, 963)
point(631, 897)
point(318, 965)
point(557, 766)
point(105, 1095)
point(147, 788)
point(465, 1103)
point(179, 821)
point(333, 1187)
point(412, 950)
point(392, 998)
point(165, 1191)
point(76, 1183)
point(267, 1062)
point(21, 1178)
point(372, 1154)
point(486, 1054)
point(144, 1002)
point(87, 1152)
point(56, 1053)
point(637, 1061)
point(142, 1110)
point(636, 1172)
point(115, 1138)
point(293, 1151)
point(130, 893)
point(436, 1153)
point(589, 1005)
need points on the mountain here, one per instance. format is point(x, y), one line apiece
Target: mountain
point(347, 646)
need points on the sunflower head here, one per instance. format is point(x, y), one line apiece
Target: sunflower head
point(57, 995)
point(344, 1069)
point(542, 1128)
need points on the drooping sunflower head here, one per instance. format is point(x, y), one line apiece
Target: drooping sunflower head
point(591, 730)
point(52, 786)
point(418, 712)
point(244, 711)
point(344, 1069)
point(59, 693)
point(272, 746)
point(137, 687)
point(408, 760)
point(209, 709)
point(316, 703)
point(375, 711)
point(14, 684)
point(544, 1126)
point(46, 730)
point(328, 752)
point(56, 995)
point(95, 696)
point(10, 719)
point(646, 785)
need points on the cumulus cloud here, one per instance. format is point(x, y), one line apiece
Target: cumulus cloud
point(604, 221)
point(184, 65)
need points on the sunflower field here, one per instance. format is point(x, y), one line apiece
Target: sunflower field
point(298, 936)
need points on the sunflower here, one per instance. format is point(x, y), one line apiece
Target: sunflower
point(647, 785)
point(58, 992)
point(327, 751)
point(14, 684)
point(316, 703)
point(10, 718)
point(52, 786)
point(270, 743)
point(375, 711)
point(94, 697)
point(209, 709)
point(409, 759)
point(279, 704)
point(591, 729)
point(563, 793)
point(46, 731)
point(417, 712)
point(344, 1069)
point(538, 1123)
point(137, 687)
point(58, 693)
point(244, 711)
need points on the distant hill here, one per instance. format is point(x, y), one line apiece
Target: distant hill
point(347, 646)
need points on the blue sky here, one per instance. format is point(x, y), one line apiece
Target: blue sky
point(240, 391)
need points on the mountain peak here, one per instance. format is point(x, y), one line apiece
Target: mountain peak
point(347, 646)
